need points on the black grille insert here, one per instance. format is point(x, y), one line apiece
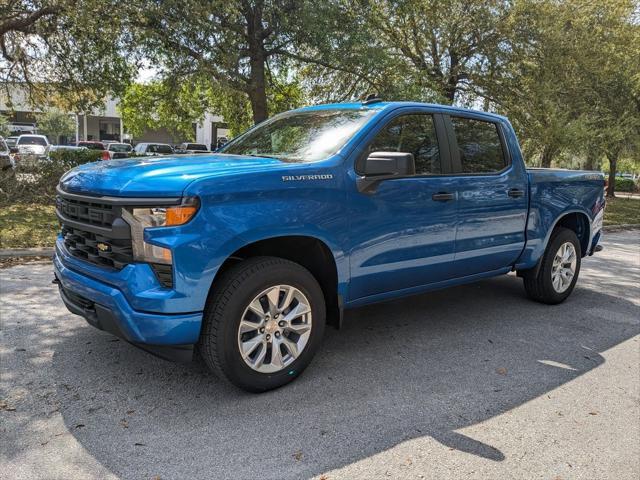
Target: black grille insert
point(86, 211)
point(94, 231)
point(96, 248)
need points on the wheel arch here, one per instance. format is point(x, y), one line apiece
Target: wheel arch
point(580, 223)
point(576, 220)
point(311, 252)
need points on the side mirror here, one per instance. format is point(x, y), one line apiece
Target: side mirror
point(383, 166)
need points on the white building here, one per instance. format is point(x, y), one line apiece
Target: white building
point(105, 123)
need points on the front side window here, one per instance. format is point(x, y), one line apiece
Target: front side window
point(305, 136)
point(416, 134)
point(479, 145)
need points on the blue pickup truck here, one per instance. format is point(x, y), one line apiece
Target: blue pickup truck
point(243, 255)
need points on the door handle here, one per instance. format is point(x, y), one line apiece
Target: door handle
point(443, 196)
point(515, 193)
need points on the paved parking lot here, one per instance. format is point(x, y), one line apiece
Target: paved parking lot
point(471, 382)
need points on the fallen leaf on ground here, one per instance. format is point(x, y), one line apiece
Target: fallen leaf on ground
point(501, 371)
point(297, 455)
point(6, 407)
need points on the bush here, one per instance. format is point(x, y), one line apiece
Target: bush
point(36, 181)
point(625, 185)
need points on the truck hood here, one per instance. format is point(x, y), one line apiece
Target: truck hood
point(158, 176)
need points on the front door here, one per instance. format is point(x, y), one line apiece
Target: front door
point(403, 231)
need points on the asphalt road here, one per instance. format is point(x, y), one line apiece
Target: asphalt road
point(470, 382)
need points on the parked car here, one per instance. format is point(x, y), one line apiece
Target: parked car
point(12, 143)
point(248, 253)
point(91, 144)
point(6, 161)
point(31, 149)
point(57, 148)
point(152, 149)
point(222, 141)
point(118, 150)
point(192, 148)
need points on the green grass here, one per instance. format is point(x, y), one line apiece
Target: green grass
point(28, 225)
point(622, 210)
point(33, 225)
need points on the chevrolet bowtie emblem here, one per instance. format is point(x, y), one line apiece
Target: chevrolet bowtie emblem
point(103, 247)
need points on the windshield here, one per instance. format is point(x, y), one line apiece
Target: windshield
point(119, 147)
point(32, 141)
point(305, 136)
point(11, 141)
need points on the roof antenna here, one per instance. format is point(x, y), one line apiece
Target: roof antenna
point(371, 98)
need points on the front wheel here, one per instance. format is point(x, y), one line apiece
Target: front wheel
point(263, 323)
point(558, 271)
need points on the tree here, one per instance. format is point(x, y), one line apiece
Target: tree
point(164, 104)
point(235, 43)
point(4, 126)
point(610, 67)
point(62, 49)
point(56, 124)
point(418, 49)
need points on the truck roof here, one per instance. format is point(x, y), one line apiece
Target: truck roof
point(379, 105)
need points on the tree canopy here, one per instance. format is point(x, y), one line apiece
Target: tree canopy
point(566, 72)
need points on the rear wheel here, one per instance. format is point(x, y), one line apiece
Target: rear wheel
point(558, 271)
point(263, 323)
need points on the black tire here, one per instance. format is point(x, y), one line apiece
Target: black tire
point(232, 293)
point(540, 287)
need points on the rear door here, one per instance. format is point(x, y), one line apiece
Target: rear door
point(403, 231)
point(492, 195)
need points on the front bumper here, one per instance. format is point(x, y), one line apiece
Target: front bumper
point(106, 307)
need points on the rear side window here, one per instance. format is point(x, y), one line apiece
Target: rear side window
point(479, 145)
point(415, 134)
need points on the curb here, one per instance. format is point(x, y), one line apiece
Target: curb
point(27, 252)
point(624, 226)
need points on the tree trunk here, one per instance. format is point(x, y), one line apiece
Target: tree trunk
point(592, 161)
point(547, 156)
point(613, 167)
point(257, 61)
point(258, 95)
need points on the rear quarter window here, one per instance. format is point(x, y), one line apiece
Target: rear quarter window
point(479, 145)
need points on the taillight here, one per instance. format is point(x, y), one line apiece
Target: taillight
point(105, 155)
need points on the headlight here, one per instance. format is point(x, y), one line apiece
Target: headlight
point(141, 218)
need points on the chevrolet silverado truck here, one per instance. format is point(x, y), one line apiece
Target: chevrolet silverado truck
point(242, 256)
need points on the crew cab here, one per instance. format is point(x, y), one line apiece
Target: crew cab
point(244, 255)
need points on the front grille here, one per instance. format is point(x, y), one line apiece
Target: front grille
point(94, 231)
point(98, 249)
point(86, 211)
